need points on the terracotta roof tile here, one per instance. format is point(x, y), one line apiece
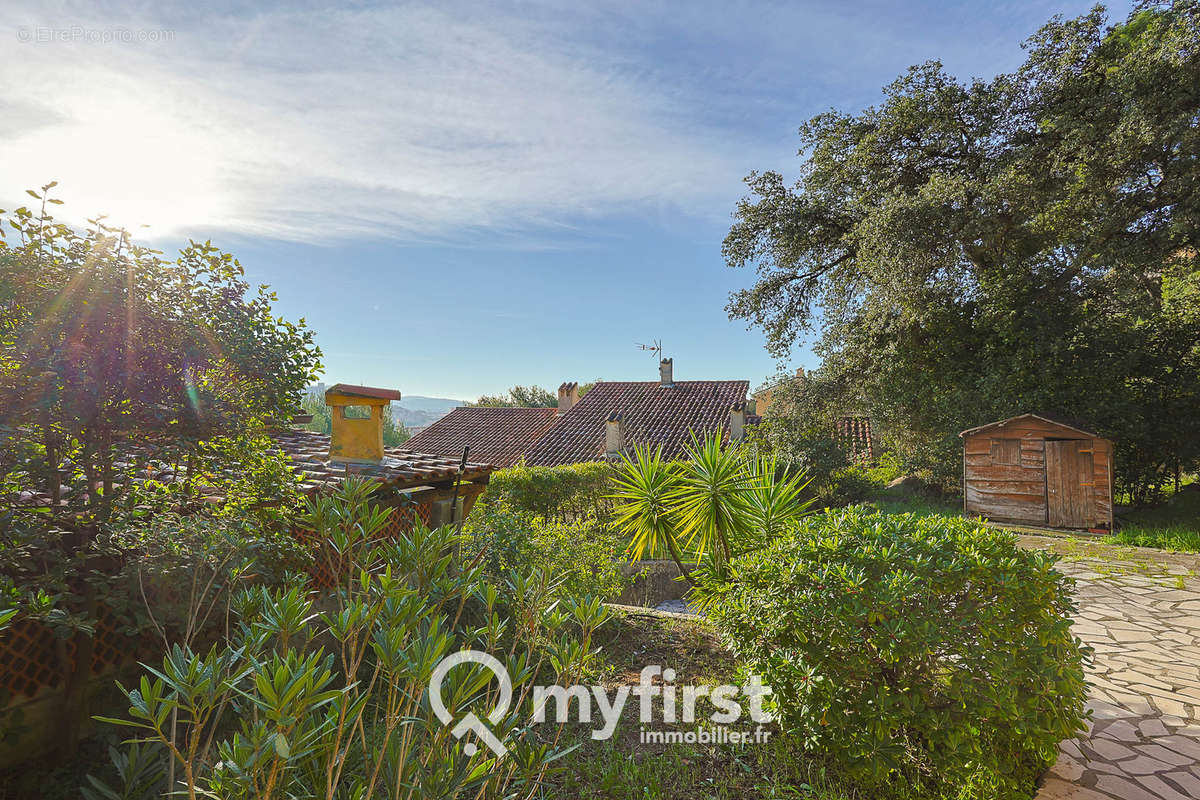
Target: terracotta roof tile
point(309, 454)
point(402, 467)
point(497, 436)
point(652, 414)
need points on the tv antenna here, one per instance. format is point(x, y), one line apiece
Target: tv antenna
point(656, 347)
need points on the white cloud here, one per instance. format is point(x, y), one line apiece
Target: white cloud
point(410, 122)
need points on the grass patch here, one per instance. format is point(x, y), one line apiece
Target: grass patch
point(922, 507)
point(1175, 525)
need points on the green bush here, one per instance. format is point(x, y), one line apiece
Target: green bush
point(929, 650)
point(584, 556)
point(562, 494)
point(324, 694)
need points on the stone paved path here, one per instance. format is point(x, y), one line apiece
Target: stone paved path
point(1140, 610)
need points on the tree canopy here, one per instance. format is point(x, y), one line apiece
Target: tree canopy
point(526, 397)
point(963, 252)
point(107, 348)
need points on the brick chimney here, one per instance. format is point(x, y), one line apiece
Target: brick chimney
point(568, 396)
point(737, 422)
point(666, 372)
point(614, 436)
point(356, 418)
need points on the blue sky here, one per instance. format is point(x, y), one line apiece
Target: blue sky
point(464, 196)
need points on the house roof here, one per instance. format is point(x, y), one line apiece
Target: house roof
point(652, 414)
point(497, 436)
point(402, 468)
point(309, 453)
point(363, 391)
point(1054, 419)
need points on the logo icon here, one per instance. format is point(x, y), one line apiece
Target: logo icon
point(471, 722)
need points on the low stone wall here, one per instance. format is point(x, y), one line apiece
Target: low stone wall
point(654, 582)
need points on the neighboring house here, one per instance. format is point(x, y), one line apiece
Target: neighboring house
point(496, 435)
point(764, 397)
point(852, 429)
point(607, 421)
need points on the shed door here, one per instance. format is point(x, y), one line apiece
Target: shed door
point(1069, 482)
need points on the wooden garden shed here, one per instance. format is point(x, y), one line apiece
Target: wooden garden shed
point(1038, 470)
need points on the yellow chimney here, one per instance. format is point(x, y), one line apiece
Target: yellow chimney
point(357, 422)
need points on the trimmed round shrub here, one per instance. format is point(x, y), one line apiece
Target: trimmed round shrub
point(927, 650)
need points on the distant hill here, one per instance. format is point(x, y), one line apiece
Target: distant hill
point(434, 405)
point(417, 411)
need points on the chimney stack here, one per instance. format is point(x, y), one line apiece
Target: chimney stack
point(737, 422)
point(356, 420)
point(568, 396)
point(614, 436)
point(665, 372)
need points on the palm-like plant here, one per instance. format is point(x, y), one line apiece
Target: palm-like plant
point(645, 485)
point(717, 504)
point(776, 499)
point(710, 502)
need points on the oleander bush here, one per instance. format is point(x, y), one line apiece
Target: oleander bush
point(326, 693)
point(922, 649)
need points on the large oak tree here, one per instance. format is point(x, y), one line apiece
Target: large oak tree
point(968, 251)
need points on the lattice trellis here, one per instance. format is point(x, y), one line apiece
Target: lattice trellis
point(30, 656)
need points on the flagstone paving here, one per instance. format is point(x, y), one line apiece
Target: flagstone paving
point(1140, 610)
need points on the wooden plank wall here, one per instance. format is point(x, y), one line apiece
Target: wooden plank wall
point(1008, 492)
point(1102, 510)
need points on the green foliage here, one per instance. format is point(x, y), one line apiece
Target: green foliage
point(928, 649)
point(112, 357)
point(1176, 538)
point(979, 250)
point(523, 396)
point(712, 506)
point(326, 695)
point(556, 518)
point(563, 494)
point(132, 389)
point(527, 397)
point(583, 555)
point(1172, 526)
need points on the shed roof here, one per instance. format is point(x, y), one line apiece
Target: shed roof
point(652, 414)
point(497, 436)
point(1051, 418)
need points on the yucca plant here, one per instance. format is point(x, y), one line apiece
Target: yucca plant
point(645, 486)
point(716, 504)
point(710, 502)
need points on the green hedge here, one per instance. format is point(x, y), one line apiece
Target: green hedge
point(562, 494)
point(921, 649)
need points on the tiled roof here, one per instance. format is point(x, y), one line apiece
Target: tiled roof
point(651, 413)
point(309, 453)
point(856, 436)
point(497, 436)
point(402, 467)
